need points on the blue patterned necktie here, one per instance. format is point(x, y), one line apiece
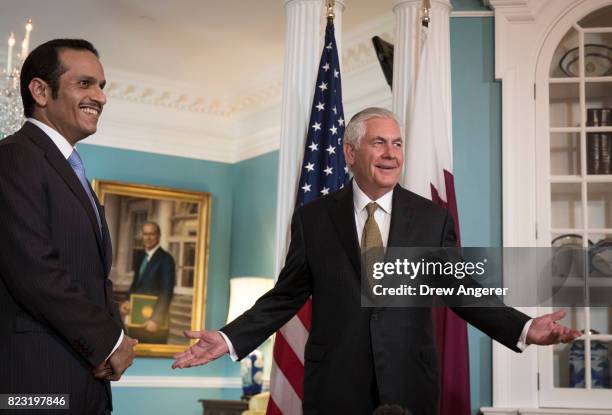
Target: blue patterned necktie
point(77, 165)
point(143, 265)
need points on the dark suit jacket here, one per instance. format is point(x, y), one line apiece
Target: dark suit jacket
point(57, 316)
point(353, 350)
point(157, 279)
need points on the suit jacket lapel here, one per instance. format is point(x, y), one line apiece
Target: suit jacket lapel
point(61, 165)
point(342, 211)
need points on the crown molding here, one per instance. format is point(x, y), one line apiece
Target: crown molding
point(518, 11)
point(472, 13)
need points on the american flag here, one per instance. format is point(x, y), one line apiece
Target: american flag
point(323, 171)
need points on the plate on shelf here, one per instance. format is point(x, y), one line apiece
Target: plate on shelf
point(598, 61)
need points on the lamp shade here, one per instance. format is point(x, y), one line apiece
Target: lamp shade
point(244, 291)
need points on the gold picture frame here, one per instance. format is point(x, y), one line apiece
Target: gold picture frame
point(183, 224)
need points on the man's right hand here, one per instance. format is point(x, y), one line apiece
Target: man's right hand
point(210, 346)
point(124, 308)
point(123, 357)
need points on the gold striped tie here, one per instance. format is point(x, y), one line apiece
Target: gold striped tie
point(372, 247)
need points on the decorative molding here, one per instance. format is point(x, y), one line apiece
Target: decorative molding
point(541, 411)
point(200, 382)
point(163, 93)
point(178, 382)
point(520, 11)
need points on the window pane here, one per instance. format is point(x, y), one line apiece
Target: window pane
point(597, 54)
point(599, 18)
point(566, 206)
point(187, 278)
point(564, 105)
point(599, 204)
point(600, 316)
point(189, 254)
point(565, 154)
point(564, 63)
point(600, 364)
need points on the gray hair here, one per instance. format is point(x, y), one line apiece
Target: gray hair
point(355, 129)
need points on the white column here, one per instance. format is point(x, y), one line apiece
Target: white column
point(406, 53)
point(305, 30)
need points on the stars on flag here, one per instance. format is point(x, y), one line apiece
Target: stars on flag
point(323, 167)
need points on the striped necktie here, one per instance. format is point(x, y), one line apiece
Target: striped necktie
point(371, 243)
point(77, 165)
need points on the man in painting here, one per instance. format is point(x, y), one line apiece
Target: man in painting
point(154, 275)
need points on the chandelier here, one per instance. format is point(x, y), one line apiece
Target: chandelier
point(11, 108)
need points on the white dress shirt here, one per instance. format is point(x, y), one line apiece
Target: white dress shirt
point(382, 215)
point(66, 149)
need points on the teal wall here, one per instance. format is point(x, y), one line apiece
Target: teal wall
point(254, 216)
point(477, 163)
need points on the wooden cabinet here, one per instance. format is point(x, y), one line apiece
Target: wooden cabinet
point(223, 407)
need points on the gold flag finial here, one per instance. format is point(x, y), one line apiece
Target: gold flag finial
point(330, 4)
point(426, 9)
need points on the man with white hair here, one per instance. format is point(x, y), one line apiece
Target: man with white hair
point(356, 357)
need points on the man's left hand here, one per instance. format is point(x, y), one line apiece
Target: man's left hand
point(545, 330)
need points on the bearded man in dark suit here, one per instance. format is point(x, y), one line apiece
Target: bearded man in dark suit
point(60, 331)
point(359, 357)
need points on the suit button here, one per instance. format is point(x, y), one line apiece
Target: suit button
point(374, 316)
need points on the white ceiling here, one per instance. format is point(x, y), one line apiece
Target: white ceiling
point(215, 47)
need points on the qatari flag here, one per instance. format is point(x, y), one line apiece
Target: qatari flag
point(429, 172)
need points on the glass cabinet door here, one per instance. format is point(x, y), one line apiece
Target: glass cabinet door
point(579, 179)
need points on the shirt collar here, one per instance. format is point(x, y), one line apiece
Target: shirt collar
point(60, 142)
point(360, 199)
point(152, 251)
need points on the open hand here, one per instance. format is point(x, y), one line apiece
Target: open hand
point(545, 330)
point(209, 347)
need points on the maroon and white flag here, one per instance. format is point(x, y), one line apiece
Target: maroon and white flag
point(429, 172)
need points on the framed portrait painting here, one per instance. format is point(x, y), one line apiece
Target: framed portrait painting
point(160, 240)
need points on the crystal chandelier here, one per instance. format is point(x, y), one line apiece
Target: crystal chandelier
point(11, 108)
